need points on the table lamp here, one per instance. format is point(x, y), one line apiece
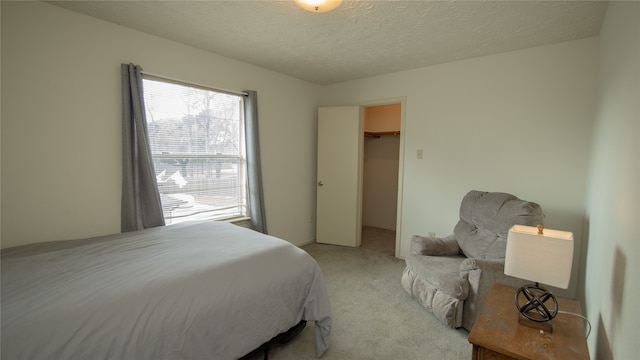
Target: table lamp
point(542, 256)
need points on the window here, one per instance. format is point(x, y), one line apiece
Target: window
point(197, 143)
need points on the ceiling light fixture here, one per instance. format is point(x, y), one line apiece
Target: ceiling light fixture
point(318, 6)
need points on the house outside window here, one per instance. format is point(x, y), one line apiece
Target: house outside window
point(197, 142)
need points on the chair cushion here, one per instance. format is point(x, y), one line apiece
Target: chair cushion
point(443, 272)
point(485, 220)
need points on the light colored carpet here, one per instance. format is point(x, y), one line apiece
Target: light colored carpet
point(373, 317)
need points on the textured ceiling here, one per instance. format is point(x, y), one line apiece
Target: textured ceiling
point(360, 38)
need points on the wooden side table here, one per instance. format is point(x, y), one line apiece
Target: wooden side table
point(496, 333)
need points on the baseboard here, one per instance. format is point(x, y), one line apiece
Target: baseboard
point(378, 227)
point(305, 243)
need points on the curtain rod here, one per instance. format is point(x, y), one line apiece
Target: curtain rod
point(194, 84)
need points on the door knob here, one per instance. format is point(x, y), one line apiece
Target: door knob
point(320, 183)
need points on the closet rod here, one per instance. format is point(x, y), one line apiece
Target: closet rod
point(206, 87)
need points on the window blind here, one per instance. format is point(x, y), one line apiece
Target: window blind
point(197, 143)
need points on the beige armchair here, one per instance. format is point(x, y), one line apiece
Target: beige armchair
point(452, 276)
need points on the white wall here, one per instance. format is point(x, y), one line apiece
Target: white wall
point(612, 268)
point(518, 122)
point(61, 112)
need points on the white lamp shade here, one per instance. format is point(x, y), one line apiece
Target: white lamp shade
point(544, 259)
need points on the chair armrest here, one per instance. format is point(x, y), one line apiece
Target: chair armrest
point(434, 246)
point(482, 274)
point(489, 266)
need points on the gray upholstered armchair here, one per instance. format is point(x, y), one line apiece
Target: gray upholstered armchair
point(452, 276)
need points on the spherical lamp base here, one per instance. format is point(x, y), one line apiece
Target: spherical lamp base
point(537, 306)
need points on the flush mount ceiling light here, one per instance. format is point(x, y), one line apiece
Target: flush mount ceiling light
point(318, 6)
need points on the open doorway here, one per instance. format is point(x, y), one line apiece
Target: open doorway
point(381, 163)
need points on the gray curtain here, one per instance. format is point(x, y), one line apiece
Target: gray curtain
point(254, 172)
point(141, 207)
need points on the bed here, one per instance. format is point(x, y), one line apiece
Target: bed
point(201, 290)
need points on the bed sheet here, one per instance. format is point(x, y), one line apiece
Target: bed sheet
point(198, 290)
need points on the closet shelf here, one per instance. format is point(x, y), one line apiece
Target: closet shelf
point(377, 134)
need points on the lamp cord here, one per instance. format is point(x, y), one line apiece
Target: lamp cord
point(588, 331)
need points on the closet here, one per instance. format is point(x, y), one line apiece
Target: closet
point(380, 166)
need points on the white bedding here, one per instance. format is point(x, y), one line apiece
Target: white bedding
point(205, 290)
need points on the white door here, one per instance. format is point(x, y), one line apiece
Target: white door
point(339, 184)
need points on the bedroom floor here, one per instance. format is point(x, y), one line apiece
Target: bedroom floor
point(378, 239)
point(373, 317)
